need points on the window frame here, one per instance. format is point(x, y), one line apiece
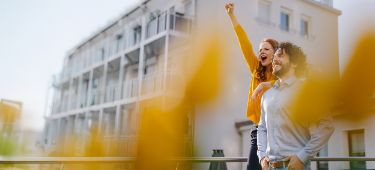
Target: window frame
point(306, 19)
point(289, 13)
point(264, 19)
point(350, 148)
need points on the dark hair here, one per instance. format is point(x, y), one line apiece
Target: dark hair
point(261, 70)
point(296, 56)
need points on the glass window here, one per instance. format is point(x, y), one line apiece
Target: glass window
point(127, 122)
point(264, 11)
point(356, 140)
point(79, 125)
point(137, 34)
point(304, 27)
point(109, 123)
point(62, 128)
point(118, 42)
point(284, 21)
point(323, 165)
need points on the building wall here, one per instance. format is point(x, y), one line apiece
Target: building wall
point(214, 125)
point(339, 143)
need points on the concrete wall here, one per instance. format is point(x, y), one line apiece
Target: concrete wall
point(338, 145)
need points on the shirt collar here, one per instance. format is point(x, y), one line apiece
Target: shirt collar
point(288, 82)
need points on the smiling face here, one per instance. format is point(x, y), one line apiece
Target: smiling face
point(266, 52)
point(281, 63)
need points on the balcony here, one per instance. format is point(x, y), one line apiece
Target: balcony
point(128, 145)
point(325, 2)
point(180, 23)
point(130, 88)
point(73, 102)
point(64, 104)
point(120, 146)
point(152, 83)
point(156, 25)
point(95, 96)
point(111, 93)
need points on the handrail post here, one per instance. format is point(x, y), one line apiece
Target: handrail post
point(218, 165)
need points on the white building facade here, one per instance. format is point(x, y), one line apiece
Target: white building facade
point(104, 78)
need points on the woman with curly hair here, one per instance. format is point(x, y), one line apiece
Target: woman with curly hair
point(260, 67)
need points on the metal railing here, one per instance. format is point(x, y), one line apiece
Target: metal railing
point(130, 88)
point(111, 93)
point(64, 160)
point(75, 160)
point(152, 83)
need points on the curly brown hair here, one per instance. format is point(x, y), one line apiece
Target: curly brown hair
point(296, 56)
point(260, 73)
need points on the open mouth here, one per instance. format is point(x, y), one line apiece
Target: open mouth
point(263, 57)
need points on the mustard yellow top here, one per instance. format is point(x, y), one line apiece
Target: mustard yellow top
point(253, 106)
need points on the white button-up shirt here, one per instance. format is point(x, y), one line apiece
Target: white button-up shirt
point(279, 135)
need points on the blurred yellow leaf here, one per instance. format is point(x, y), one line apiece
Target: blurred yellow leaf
point(357, 87)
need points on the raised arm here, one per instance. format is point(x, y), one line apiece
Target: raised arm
point(245, 44)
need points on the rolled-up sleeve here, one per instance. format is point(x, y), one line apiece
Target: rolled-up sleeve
point(320, 132)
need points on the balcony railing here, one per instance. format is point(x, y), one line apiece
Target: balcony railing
point(152, 83)
point(95, 97)
point(156, 25)
point(83, 99)
point(63, 162)
point(325, 2)
point(180, 23)
point(120, 145)
point(130, 88)
point(111, 93)
point(73, 102)
point(64, 104)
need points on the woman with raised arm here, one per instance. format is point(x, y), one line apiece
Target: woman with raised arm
point(260, 68)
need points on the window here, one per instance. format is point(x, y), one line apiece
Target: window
point(109, 119)
point(323, 165)
point(137, 34)
point(102, 54)
point(118, 42)
point(304, 27)
point(264, 11)
point(356, 141)
point(152, 25)
point(162, 22)
point(284, 21)
point(128, 122)
point(62, 128)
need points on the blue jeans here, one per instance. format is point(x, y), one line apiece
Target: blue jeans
point(253, 162)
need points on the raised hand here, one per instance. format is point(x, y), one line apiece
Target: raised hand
point(262, 87)
point(229, 7)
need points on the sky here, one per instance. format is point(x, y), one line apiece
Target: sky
point(35, 35)
point(357, 17)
